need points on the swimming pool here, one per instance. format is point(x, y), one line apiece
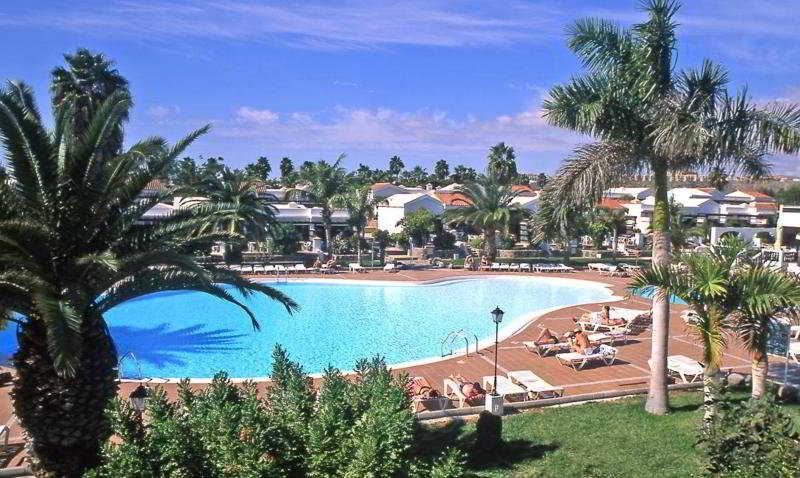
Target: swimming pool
point(189, 334)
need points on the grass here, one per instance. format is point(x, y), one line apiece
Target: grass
point(608, 439)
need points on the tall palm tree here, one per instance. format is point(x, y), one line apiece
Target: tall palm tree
point(74, 248)
point(646, 116)
point(360, 208)
point(553, 222)
point(324, 184)
point(490, 207)
point(82, 87)
point(502, 163)
point(614, 221)
point(703, 281)
point(761, 292)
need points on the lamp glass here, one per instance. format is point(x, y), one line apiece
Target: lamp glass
point(497, 315)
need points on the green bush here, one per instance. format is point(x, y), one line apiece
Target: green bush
point(352, 427)
point(283, 239)
point(444, 240)
point(752, 438)
point(400, 239)
point(488, 431)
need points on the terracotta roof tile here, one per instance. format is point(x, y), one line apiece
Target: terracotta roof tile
point(453, 199)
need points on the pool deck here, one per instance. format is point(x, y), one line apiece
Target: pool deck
point(629, 371)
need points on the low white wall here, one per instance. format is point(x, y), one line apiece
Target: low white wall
point(746, 233)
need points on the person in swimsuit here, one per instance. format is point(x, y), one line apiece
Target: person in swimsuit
point(546, 337)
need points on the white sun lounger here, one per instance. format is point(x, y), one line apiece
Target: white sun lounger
point(689, 370)
point(605, 354)
point(513, 267)
point(608, 338)
point(258, 269)
point(542, 350)
point(356, 267)
point(389, 268)
point(269, 269)
point(794, 352)
point(598, 266)
point(495, 266)
point(280, 269)
point(452, 389)
point(301, 268)
point(535, 386)
point(525, 267)
point(505, 266)
point(505, 387)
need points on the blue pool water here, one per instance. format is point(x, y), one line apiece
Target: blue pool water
point(188, 334)
point(673, 299)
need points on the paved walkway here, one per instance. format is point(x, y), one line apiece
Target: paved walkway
point(629, 371)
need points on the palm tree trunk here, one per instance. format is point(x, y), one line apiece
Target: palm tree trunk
point(64, 418)
point(758, 368)
point(490, 246)
point(712, 384)
point(657, 398)
point(614, 246)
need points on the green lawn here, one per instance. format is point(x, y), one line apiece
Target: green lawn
point(610, 439)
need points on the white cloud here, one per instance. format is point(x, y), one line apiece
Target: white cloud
point(424, 131)
point(315, 24)
point(251, 115)
point(160, 112)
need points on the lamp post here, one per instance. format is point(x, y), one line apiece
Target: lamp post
point(497, 317)
point(138, 399)
point(494, 401)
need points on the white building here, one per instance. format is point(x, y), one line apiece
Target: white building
point(385, 190)
point(623, 193)
point(395, 208)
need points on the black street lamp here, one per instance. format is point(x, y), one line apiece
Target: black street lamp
point(138, 399)
point(497, 317)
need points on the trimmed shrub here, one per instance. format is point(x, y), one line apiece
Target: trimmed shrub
point(488, 431)
point(752, 438)
point(352, 427)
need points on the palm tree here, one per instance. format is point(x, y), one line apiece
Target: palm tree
point(490, 207)
point(703, 281)
point(74, 248)
point(553, 222)
point(325, 184)
point(82, 87)
point(761, 293)
point(501, 163)
point(614, 221)
point(248, 216)
point(360, 208)
point(648, 117)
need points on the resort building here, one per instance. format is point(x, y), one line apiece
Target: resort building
point(788, 231)
point(627, 193)
point(395, 207)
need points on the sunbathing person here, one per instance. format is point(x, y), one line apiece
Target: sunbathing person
point(469, 263)
point(484, 262)
point(317, 264)
point(472, 390)
point(581, 344)
point(546, 337)
point(607, 320)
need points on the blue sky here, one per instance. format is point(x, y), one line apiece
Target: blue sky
point(422, 79)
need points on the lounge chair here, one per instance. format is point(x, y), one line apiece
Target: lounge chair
point(542, 350)
point(683, 367)
point(269, 269)
point(505, 387)
point(300, 268)
point(418, 389)
point(597, 266)
point(389, 268)
point(495, 266)
point(453, 390)
point(614, 271)
point(505, 266)
point(634, 318)
point(605, 354)
point(259, 269)
point(607, 338)
point(535, 386)
point(565, 268)
point(356, 267)
point(525, 267)
point(794, 352)
point(280, 269)
point(513, 267)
